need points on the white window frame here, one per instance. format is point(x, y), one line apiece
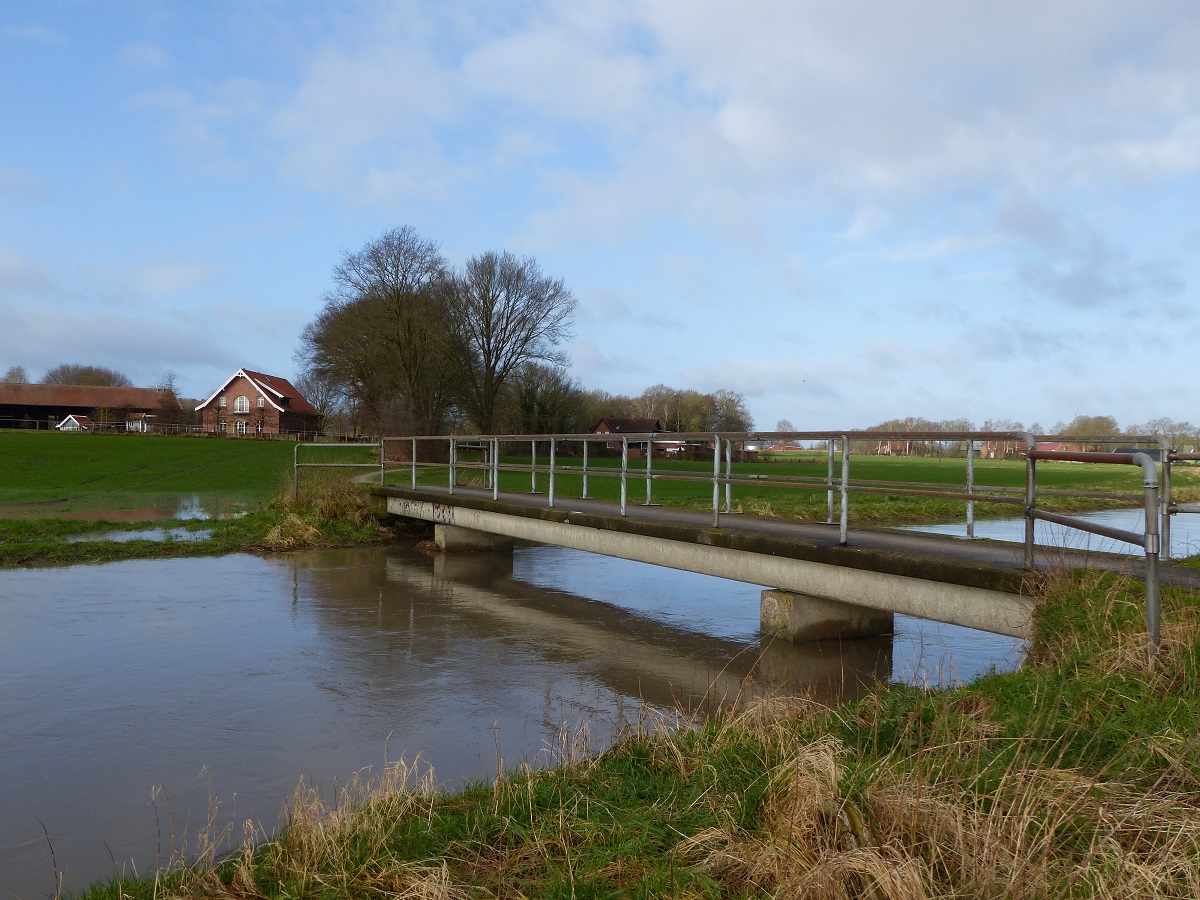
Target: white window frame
point(241, 404)
point(241, 426)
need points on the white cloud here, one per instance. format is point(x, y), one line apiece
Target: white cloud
point(171, 277)
point(34, 34)
point(143, 55)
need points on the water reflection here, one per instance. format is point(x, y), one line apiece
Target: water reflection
point(225, 680)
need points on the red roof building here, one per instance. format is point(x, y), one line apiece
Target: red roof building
point(254, 403)
point(42, 405)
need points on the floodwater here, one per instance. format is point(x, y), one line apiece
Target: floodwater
point(187, 508)
point(1185, 532)
point(140, 699)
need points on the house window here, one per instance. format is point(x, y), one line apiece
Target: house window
point(221, 402)
point(241, 426)
point(221, 424)
point(261, 402)
point(258, 427)
point(241, 405)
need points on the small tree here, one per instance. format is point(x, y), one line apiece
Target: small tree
point(15, 375)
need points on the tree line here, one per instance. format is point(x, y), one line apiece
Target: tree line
point(404, 343)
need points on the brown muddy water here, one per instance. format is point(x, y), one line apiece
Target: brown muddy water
point(137, 699)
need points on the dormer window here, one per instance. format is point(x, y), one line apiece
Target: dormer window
point(241, 405)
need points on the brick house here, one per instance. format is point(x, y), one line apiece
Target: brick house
point(253, 403)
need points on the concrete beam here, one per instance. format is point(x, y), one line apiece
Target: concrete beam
point(974, 607)
point(799, 617)
point(456, 539)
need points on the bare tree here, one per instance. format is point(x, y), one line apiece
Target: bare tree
point(15, 375)
point(503, 312)
point(382, 330)
point(73, 373)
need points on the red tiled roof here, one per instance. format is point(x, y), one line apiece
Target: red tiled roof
point(627, 426)
point(276, 387)
point(82, 395)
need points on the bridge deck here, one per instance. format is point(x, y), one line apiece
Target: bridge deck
point(934, 576)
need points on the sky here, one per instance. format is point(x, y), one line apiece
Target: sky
point(846, 211)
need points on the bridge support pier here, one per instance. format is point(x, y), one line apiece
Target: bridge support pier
point(454, 538)
point(801, 617)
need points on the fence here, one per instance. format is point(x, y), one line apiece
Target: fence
point(454, 455)
point(297, 465)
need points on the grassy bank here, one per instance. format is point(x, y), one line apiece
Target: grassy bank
point(1075, 776)
point(330, 512)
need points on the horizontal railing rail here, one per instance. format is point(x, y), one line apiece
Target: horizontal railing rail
point(297, 465)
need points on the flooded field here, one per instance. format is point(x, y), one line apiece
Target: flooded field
point(141, 700)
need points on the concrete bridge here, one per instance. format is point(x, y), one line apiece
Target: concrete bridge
point(820, 589)
point(824, 580)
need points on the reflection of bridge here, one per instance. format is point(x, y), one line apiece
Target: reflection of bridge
point(846, 591)
point(830, 581)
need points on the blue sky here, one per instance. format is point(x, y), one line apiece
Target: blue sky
point(846, 211)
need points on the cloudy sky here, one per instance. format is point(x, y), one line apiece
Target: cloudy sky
point(847, 211)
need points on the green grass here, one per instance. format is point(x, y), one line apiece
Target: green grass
point(1074, 776)
point(74, 473)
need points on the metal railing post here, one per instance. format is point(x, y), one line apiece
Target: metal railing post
point(1153, 609)
point(533, 467)
point(551, 495)
point(970, 488)
point(382, 445)
point(845, 524)
point(1164, 498)
point(453, 462)
point(829, 482)
point(728, 476)
point(649, 464)
point(624, 471)
point(495, 468)
point(585, 451)
point(716, 481)
point(1030, 505)
point(296, 473)
point(414, 464)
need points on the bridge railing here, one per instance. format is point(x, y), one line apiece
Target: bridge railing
point(481, 461)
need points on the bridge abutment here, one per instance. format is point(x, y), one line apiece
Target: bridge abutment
point(797, 617)
point(455, 538)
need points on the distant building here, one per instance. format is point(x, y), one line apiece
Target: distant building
point(614, 425)
point(253, 403)
point(75, 422)
point(46, 405)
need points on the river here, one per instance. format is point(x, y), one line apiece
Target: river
point(137, 698)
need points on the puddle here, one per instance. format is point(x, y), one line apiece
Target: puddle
point(147, 534)
point(191, 508)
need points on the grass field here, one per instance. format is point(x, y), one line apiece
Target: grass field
point(57, 474)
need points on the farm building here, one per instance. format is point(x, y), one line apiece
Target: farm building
point(75, 423)
point(46, 405)
point(253, 403)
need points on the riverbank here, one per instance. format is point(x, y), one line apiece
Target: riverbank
point(1075, 775)
point(330, 512)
